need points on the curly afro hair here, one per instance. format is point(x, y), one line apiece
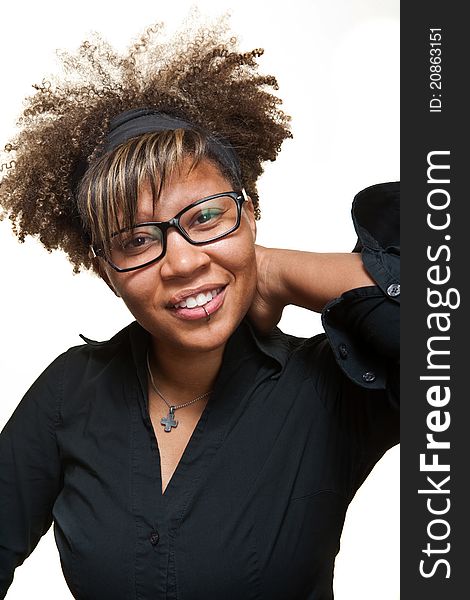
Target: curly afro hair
point(198, 75)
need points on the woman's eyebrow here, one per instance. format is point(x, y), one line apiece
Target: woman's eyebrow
point(145, 218)
point(146, 215)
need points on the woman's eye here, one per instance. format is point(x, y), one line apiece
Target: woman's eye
point(134, 243)
point(207, 215)
point(137, 242)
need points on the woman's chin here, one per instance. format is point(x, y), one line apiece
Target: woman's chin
point(198, 335)
point(212, 335)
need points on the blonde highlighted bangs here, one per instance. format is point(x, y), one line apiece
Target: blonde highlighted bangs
point(108, 193)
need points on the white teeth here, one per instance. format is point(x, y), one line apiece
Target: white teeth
point(199, 300)
point(203, 299)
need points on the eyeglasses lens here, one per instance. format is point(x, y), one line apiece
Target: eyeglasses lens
point(210, 219)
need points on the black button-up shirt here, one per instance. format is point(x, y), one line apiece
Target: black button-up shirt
point(256, 505)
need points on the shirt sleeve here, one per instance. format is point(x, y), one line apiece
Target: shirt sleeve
point(30, 472)
point(362, 326)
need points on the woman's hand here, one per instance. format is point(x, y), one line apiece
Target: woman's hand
point(267, 306)
point(306, 279)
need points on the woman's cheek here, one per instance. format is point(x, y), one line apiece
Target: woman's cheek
point(138, 291)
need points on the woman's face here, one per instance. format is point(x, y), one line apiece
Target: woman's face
point(228, 265)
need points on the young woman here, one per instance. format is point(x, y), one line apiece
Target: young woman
point(201, 452)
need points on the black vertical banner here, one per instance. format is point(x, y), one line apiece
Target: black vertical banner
point(435, 163)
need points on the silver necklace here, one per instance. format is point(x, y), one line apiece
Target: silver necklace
point(169, 421)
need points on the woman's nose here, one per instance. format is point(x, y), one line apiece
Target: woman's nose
point(182, 259)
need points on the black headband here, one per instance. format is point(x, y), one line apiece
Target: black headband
point(137, 121)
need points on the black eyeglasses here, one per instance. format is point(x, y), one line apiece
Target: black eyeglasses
point(201, 222)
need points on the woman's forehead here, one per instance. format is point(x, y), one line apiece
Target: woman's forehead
point(181, 189)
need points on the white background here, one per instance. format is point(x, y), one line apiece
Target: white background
point(337, 64)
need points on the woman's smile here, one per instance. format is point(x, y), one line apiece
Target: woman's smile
point(199, 305)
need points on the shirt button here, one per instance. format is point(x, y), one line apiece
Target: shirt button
point(154, 538)
point(368, 377)
point(393, 290)
point(343, 351)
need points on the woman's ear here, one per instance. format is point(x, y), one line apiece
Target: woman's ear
point(250, 212)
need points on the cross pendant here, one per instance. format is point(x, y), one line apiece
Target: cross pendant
point(169, 420)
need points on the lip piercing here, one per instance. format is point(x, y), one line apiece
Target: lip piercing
point(207, 314)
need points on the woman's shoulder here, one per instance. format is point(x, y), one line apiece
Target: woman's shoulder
point(96, 358)
point(94, 348)
point(85, 361)
point(93, 365)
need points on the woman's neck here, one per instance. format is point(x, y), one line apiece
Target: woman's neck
point(186, 374)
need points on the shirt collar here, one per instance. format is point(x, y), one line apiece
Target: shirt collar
point(274, 345)
point(244, 341)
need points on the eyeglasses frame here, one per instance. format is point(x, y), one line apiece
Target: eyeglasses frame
point(239, 197)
